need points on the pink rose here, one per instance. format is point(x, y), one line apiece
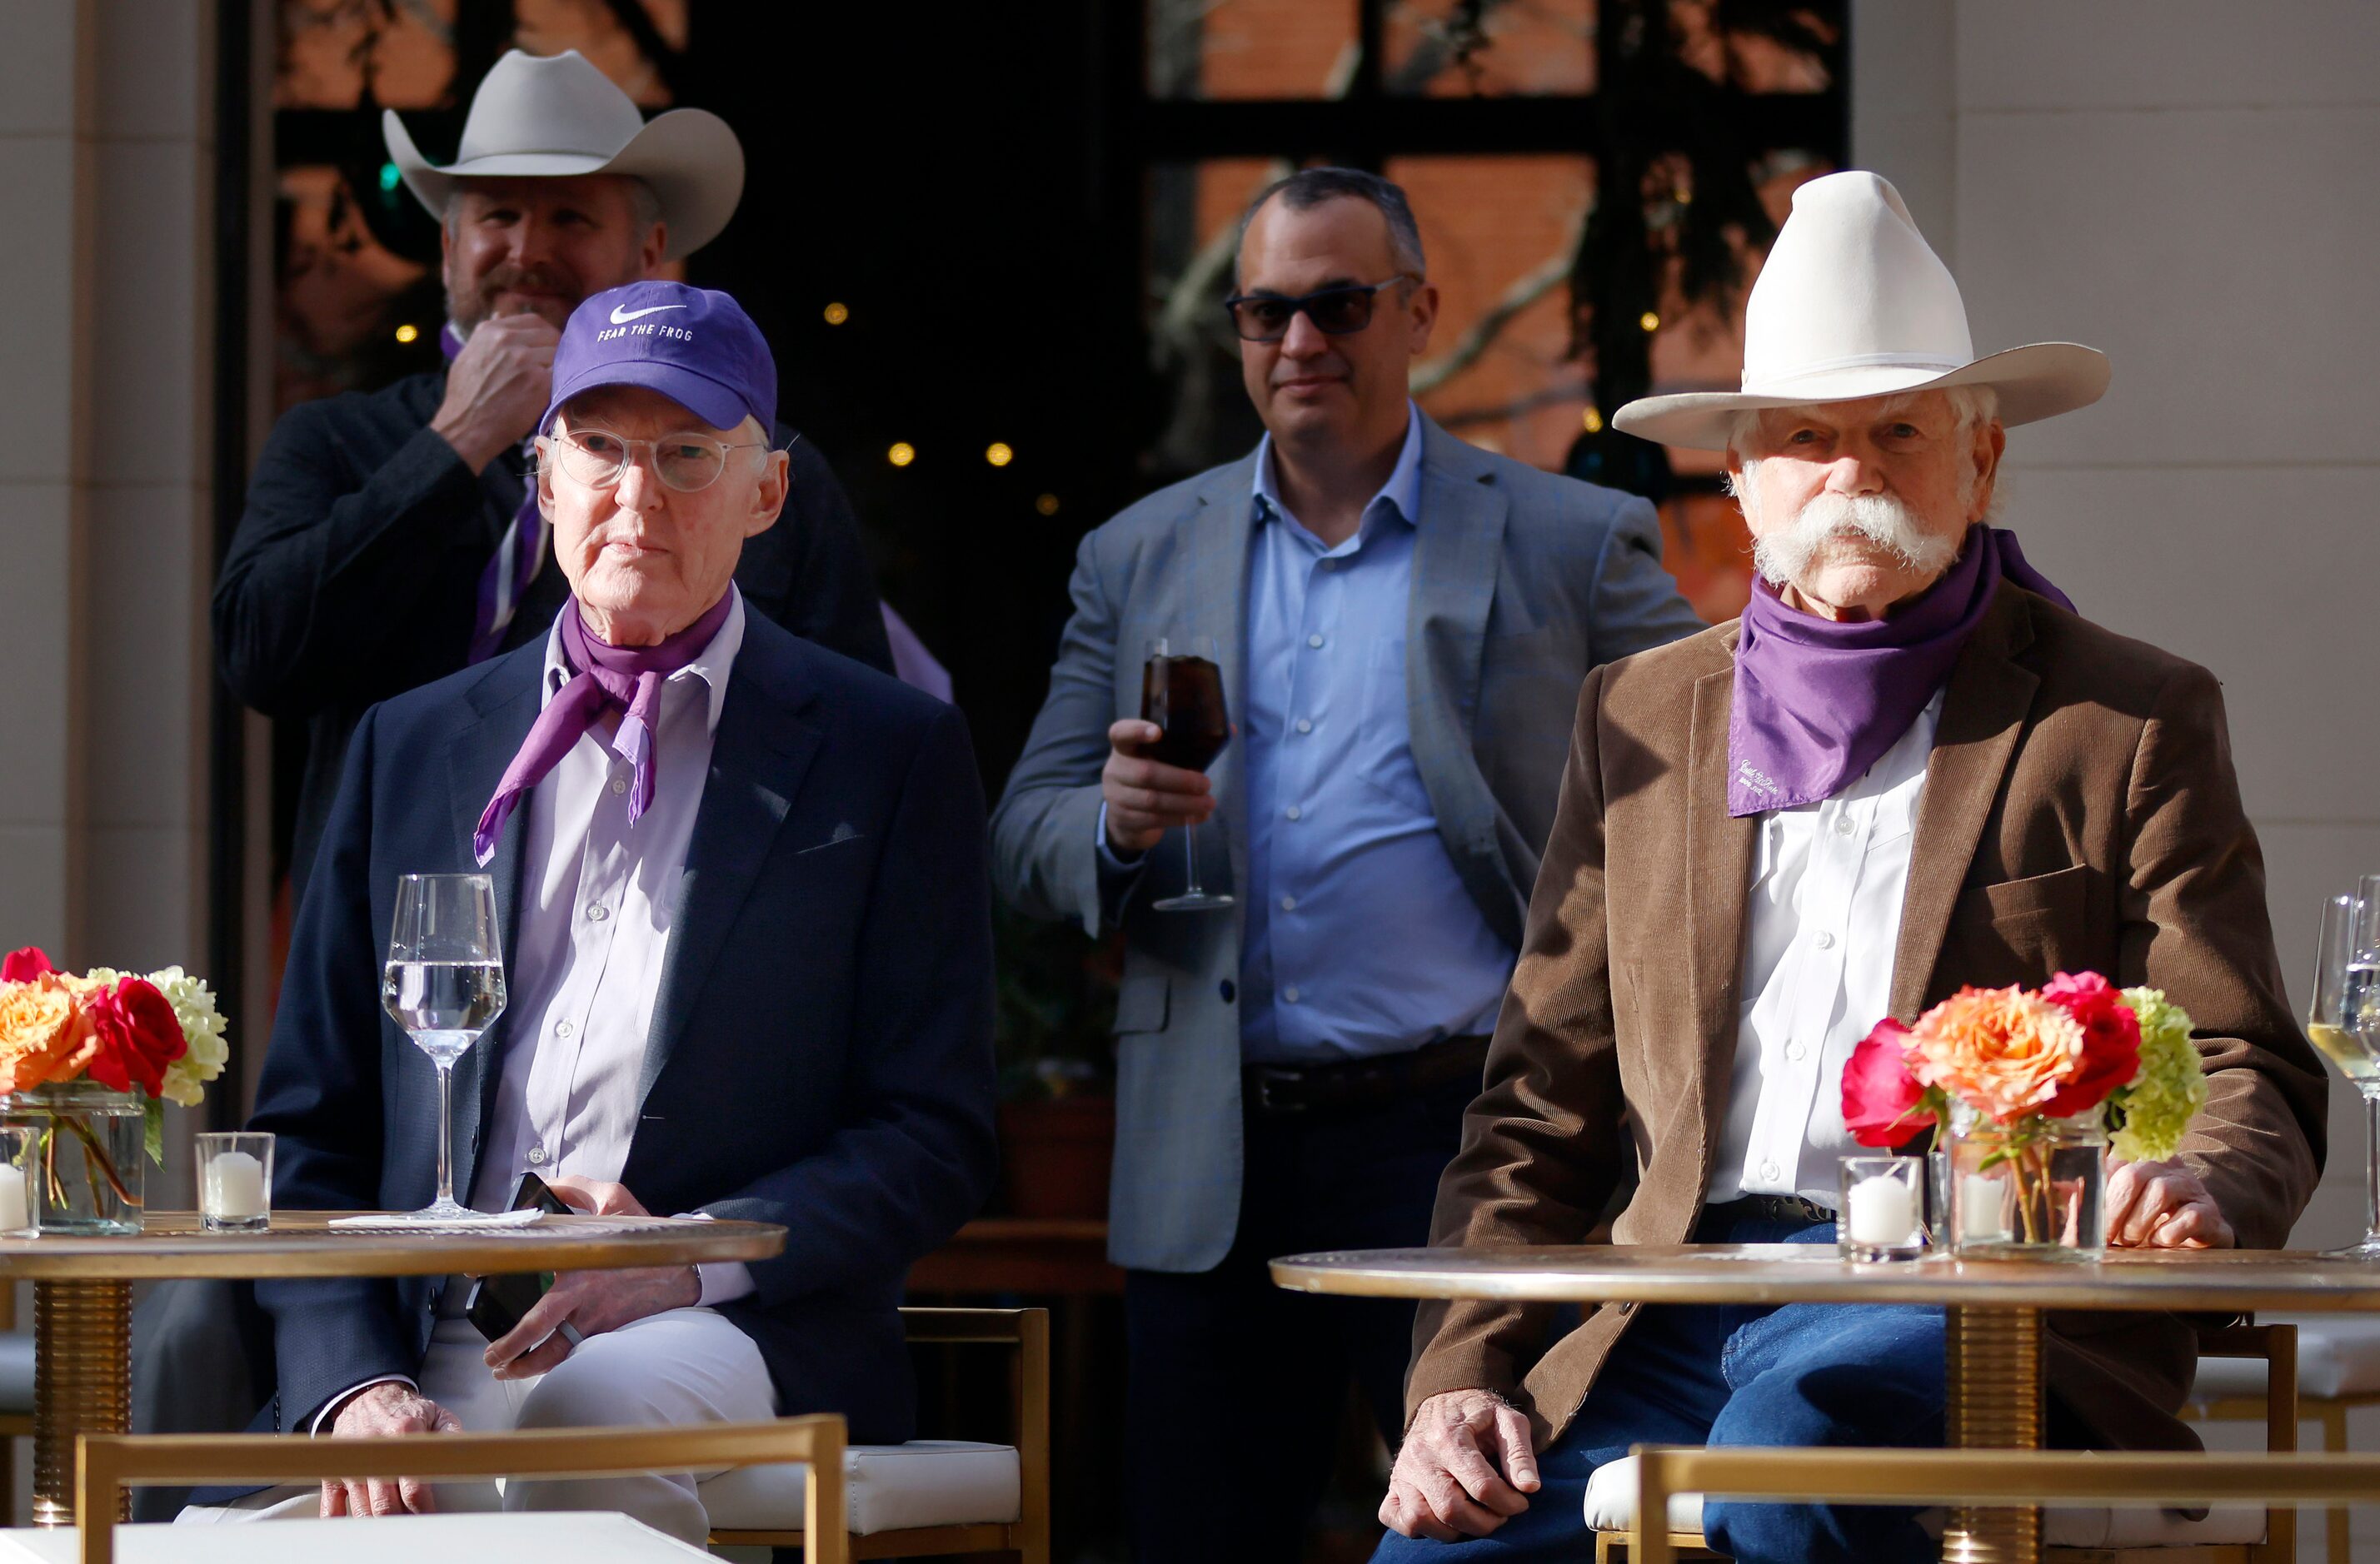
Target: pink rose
point(23, 966)
point(2111, 1042)
point(139, 1036)
point(1880, 1098)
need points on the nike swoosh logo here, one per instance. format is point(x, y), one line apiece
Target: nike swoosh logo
point(621, 317)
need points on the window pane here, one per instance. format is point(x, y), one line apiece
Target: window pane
point(1488, 48)
point(1219, 49)
point(1787, 51)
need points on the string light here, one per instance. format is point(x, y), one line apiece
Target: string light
point(1592, 420)
point(999, 456)
point(1047, 505)
point(901, 454)
point(406, 333)
point(1649, 321)
point(837, 314)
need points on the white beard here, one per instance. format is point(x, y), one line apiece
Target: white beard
point(1792, 551)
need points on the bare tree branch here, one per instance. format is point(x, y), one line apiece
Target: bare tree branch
point(1548, 275)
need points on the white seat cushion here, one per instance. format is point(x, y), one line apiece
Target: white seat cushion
point(892, 1488)
point(1612, 1507)
point(579, 1537)
point(2337, 1356)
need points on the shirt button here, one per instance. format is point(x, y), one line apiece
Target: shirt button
point(1796, 1052)
point(1289, 903)
point(1825, 941)
point(1314, 641)
point(1843, 825)
point(1304, 725)
point(619, 784)
point(562, 1028)
point(536, 1155)
point(1769, 1172)
point(1291, 812)
point(597, 914)
point(1330, 564)
point(1290, 995)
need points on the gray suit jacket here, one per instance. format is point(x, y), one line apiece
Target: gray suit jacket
point(1522, 581)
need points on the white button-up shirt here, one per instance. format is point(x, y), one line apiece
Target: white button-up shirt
point(1820, 934)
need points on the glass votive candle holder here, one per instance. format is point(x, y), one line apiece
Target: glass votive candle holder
point(18, 1169)
point(1881, 1215)
point(236, 1181)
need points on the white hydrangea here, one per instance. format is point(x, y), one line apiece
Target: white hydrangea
point(203, 1029)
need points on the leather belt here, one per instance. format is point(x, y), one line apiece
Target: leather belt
point(1362, 1082)
point(1773, 1208)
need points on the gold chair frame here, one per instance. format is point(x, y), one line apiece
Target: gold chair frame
point(2275, 1345)
point(108, 1463)
point(1026, 1332)
point(2329, 1412)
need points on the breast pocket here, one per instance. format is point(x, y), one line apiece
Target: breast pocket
point(2022, 930)
point(1383, 758)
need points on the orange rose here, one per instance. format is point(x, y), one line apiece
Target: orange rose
point(45, 1035)
point(2002, 1050)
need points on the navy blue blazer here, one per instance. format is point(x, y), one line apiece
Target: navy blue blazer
point(821, 1053)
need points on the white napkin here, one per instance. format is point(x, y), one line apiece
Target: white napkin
point(404, 1222)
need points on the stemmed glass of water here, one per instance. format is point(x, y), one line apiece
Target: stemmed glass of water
point(2344, 1023)
point(444, 984)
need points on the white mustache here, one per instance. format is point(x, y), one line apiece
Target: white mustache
point(1787, 554)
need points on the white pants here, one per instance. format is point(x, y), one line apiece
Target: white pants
point(687, 1365)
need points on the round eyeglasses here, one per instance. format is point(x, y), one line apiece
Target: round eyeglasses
point(689, 463)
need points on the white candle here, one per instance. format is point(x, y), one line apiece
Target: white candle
point(234, 1187)
point(1980, 1201)
point(1883, 1212)
point(13, 1212)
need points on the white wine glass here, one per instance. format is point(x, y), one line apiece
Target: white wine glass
point(444, 984)
point(2344, 1023)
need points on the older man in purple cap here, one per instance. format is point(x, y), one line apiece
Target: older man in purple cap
point(746, 909)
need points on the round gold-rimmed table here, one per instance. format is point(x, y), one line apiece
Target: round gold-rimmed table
point(1992, 1343)
point(82, 1292)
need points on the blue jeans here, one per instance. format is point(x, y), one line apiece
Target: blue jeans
point(1802, 1374)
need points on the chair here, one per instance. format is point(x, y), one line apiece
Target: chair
point(15, 1399)
point(927, 1497)
point(107, 1465)
point(2100, 1536)
point(2338, 1369)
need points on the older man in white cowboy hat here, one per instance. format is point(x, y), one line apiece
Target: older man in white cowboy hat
point(1909, 767)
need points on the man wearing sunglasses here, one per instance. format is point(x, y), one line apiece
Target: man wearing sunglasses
point(744, 888)
point(1402, 623)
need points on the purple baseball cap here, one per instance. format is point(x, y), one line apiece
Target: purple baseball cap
point(694, 346)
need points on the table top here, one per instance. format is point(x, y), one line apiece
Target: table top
point(303, 1244)
point(2224, 1280)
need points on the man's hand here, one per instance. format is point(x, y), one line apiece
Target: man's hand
point(591, 1302)
point(497, 387)
point(1144, 799)
point(385, 1409)
point(1446, 1485)
point(2163, 1205)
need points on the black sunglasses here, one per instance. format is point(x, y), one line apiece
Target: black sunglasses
point(1265, 317)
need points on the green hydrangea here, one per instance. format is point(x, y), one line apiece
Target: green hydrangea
point(2170, 1087)
point(202, 1028)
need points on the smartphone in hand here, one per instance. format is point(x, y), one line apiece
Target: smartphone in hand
point(497, 1302)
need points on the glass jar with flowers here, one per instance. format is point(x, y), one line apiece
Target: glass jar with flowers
point(86, 1063)
point(2025, 1092)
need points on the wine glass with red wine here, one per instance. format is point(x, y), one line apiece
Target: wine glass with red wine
point(1182, 692)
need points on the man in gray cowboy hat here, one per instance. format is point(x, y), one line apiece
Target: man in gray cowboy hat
point(392, 537)
point(389, 539)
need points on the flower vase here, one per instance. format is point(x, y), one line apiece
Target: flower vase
point(2031, 1189)
point(86, 1164)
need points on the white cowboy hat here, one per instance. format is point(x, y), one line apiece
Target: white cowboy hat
point(1853, 303)
point(557, 115)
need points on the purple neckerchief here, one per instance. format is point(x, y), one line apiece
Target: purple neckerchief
point(603, 678)
point(515, 564)
point(1818, 701)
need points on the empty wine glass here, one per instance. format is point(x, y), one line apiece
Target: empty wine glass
point(2344, 1023)
point(1182, 692)
point(444, 983)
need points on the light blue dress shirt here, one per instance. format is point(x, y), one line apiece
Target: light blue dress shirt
point(1360, 938)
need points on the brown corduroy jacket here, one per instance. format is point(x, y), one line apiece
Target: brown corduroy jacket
point(2080, 813)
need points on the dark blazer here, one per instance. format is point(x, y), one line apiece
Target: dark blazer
point(820, 1054)
point(2079, 814)
point(354, 573)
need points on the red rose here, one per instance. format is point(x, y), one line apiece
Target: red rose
point(23, 966)
point(1880, 1097)
point(139, 1036)
point(2111, 1042)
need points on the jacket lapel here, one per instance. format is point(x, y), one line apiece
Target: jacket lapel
point(1983, 709)
point(1719, 883)
point(763, 746)
point(1458, 551)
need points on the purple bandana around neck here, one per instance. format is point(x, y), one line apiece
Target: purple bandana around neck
point(604, 678)
point(1818, 701)
point(518, 554)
